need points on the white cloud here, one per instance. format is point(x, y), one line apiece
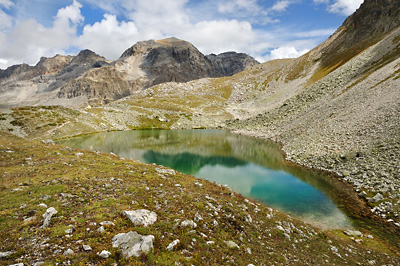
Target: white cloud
point(109, 37)
point(29, 40)
point(314, 33)
point(341, 7)
point(281, 5)
point(345, 7)
point(6, 3)
point(321, 1)
point(220, 36)
point(239, 5)
point(6, 21)
point(286, 52)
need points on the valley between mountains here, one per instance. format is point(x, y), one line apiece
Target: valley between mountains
point(336, 109)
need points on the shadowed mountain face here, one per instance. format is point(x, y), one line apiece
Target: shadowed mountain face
point(231, 63)
point(89, 78)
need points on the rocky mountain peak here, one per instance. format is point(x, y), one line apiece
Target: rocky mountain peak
point(145, 46)
point(230, 63)
point(364, 28)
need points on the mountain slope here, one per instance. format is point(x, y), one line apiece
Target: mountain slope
point(90, 79)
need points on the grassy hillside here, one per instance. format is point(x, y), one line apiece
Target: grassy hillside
point(87, 188)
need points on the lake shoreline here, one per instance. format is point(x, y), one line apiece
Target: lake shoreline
point(357, 205)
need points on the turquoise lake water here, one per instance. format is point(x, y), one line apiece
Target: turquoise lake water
point(255, 168)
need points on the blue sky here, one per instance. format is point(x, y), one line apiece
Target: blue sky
point(265, 29)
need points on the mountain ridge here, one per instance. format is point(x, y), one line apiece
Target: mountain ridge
point(88, 78)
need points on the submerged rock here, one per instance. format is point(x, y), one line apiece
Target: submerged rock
point(133, 244)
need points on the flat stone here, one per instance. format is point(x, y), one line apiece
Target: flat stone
point(141, 217)
point(87, 248)
point(353, 233)
point(133, 244)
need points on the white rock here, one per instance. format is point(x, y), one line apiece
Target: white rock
point(188, 223)
point(172, 245)
point(141, 217)
point(87, 248)
point(133, 244)
point(47, 216)
point(43, 205)
point(165, 171)
point(105, 254)
point(232, 244)
point(69, 252)
point(107, 223)
point(5, 254)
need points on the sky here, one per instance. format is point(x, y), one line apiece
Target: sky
point(264, 29)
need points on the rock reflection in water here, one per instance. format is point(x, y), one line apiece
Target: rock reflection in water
point(255, 168)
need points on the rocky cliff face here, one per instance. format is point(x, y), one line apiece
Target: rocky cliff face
point(171, 60)
point(230, 63)
point(90, 78)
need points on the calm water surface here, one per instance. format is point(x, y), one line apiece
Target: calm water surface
point(252, 167)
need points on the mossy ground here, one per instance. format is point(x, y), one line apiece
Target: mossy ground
point(87, 188)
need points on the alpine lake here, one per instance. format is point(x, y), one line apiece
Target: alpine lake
point(252, 167)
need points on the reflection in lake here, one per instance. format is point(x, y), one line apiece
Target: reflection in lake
point(252, 167)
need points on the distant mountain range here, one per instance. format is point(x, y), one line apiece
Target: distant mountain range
point(89, 78)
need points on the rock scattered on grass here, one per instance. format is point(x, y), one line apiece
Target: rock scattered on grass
point(5, 254)
point(87, 248)
point(47, 216)
point(69, 252)
point(232, 245)
point(165, 171)
point(107, 223)
point(104, 254)
point(133, 244)
point(141, 217)
point(173, 244)
point(189, 223)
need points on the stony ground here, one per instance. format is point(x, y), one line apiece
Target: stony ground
point(348, 123)
point(197, 222)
